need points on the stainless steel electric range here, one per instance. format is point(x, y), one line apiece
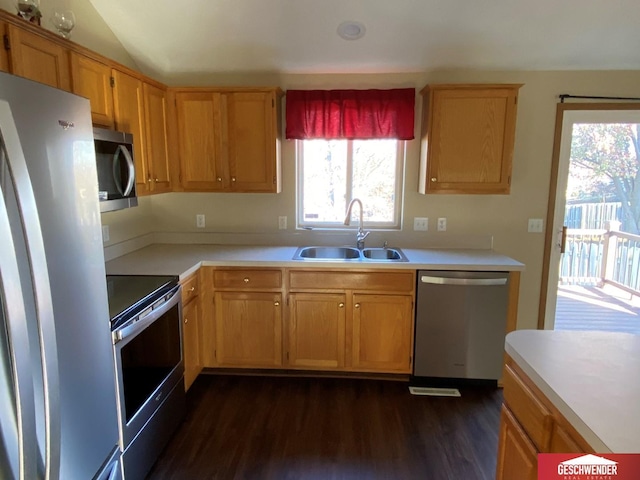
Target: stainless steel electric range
point(146, 330)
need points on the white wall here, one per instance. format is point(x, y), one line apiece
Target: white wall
point(90, 30)
point(469, 216)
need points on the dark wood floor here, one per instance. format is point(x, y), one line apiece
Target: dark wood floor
point(314, 428)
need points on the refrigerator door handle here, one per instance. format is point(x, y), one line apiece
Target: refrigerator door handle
point(41, 287)
point(24, 434)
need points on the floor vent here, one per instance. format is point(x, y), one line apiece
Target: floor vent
point(435, 392)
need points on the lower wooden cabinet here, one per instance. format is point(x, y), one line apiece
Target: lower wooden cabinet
point(191, 329)
point(348, 321)
point(382, 332)
point(191, 342)
point(530, 424)
point(248, 329)
point(316, 330)
point(517, 456)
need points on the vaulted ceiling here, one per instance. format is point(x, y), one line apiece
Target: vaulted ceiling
point(300, 36)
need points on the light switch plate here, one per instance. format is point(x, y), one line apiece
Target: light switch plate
point(282, 223)
point(536, 225)
point(442, 224)
point(420, 224)
point(105, 233)
point(200, 220)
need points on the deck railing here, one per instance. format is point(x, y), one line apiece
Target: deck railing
point(598, 257)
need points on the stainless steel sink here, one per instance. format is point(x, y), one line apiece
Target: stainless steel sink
point(327, 253)
point(350, 254)
point(384, 254)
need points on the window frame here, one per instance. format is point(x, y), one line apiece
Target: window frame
point(398, 209)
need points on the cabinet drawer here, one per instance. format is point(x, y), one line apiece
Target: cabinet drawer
point(530, 412)
point(335, 280)
point(244, 279)
point(190, 289)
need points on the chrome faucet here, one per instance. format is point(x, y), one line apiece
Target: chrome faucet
point(347, 220)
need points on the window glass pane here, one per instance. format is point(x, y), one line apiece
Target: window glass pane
point(324, 180)
point(374, 178)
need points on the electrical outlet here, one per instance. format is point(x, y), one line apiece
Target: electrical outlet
point(442, 224)
point(420, 224)
point(536, 225)
point(105, 233)
point(200, 220)
point(282, 223)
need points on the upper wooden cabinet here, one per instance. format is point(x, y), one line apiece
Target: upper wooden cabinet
point(199, 141)
point(4, 53)
point(128, 105)
point(92, 79)
point(155, 113)
point(38, 58)
point(468, 134)
point(229, 140)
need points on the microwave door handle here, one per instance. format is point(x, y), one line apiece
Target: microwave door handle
point(116, 171)
point(131, 170)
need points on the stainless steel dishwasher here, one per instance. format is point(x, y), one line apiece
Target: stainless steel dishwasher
point(460, 324)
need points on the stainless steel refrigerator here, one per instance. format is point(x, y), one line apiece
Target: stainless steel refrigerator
point(57, 388)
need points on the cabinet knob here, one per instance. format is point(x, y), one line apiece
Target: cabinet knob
point(186, 320)
point(233, 179)
point(434, 179)
point(192, 289)
point(245, 279)
point(277, 304)
point(149, 179)
point(357, 305)
point(156, 180)
point(341, 305)
point(219, 179)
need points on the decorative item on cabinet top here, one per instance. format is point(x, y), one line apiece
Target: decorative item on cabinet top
point(467, 138)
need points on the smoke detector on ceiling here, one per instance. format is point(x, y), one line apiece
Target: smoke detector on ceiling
point(351, 30)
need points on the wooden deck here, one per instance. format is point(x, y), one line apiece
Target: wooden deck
point(594, 308)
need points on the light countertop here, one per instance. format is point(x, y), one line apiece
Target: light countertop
point(593, 378)
point(183, 259)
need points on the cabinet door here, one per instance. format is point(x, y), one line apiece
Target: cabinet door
point(252, 136)
point(199, 142)
point(248, 329)
point(517, 457)
point(382, 330)
point(39, 59)
point(92, 79)
point(4, 56)
point(316, 330)
point(155, 110)
point(129, 116)
point(468, 134)
point(191, 342)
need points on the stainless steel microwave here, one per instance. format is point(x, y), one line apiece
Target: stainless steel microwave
point(116, 169)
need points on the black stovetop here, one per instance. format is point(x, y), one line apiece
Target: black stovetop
point(130, 294)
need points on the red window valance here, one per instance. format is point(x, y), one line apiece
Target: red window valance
point(350, 114)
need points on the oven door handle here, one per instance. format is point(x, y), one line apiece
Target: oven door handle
point(135, 328)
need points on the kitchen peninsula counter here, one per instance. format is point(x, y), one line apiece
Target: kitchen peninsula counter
point(592, 378)
point(184, 259)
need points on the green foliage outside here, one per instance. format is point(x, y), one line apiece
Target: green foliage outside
point(605, 166)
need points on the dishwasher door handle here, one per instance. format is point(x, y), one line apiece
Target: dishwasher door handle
point(484, 282)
